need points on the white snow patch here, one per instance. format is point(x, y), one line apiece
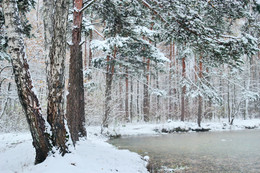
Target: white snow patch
point(95, 155)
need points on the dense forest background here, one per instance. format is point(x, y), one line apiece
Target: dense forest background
point(156, 71)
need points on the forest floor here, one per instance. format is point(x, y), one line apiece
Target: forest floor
point(94, 154)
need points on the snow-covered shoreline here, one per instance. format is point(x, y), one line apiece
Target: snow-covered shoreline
point(158, 128)
point(95, 155)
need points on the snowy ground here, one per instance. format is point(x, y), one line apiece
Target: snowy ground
point(94, 155)
point(90, 156)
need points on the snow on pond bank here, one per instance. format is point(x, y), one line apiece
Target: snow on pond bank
point(95, 155)
point(91, 156)
point(153, 129)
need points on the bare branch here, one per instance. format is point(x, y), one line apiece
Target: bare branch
point(86, 6)
point(5, 68)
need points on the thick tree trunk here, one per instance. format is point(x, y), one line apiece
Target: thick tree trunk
point(75, 99)
point(108, 91)
point(28, 98)
point(108, 98)
point(56, 82)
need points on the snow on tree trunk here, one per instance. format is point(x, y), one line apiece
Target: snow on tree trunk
point(48, 31)
point(56, 81)
point(27, 96)
point(108, 92)
point(75, 99)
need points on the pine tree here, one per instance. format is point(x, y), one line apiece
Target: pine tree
point(126, 31)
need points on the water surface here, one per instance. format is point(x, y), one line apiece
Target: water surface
point(227, 152)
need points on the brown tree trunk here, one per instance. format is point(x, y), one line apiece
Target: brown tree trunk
point(75, 99)
point(183, 91)
point(27, 97)
point(56, 81)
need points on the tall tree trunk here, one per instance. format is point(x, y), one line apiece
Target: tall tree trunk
point(90, 54)
point(56, 82)
point(85, 53)
point(228, 100)
point(126, 97)
point(158, 98)
point(170, 83)
point(200, 97)
point(75, 99)
point(131, 100)
point(146, 100)
point(48, 32)
point(27, 97)
point(108, 90)
point(120, 95)
point(183, 90)
point(89, 49)
point(137, 100)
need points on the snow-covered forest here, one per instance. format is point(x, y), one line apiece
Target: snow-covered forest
point(72, 72)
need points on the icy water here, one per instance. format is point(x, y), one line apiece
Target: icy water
point(213, 152)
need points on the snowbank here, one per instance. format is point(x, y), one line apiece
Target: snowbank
point(91, 156)
point(176, 126)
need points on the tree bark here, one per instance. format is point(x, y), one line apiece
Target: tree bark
point(89, 49)
point(137, 100)
point(200, 97)
point(172, 57)
point(108, 93)
point(56, 82)
point(126, 97)
point(183, 90)
point(27, 97)
point(75, 99)
point(146, 100)
point(131, 100)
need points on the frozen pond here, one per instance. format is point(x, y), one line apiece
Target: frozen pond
point(233, 151)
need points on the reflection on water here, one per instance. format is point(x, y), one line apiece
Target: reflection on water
point(227, 152)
